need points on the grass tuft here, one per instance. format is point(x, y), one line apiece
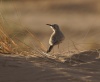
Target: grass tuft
point(7, 45)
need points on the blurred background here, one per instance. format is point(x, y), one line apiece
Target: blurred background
point(78, 19)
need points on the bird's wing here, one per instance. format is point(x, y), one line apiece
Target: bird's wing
point(55, 40)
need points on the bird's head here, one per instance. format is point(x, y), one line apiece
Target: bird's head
point(53, 26)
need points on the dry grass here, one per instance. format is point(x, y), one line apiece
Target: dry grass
point(24, 36)
point(30, 41)
point(7, 45)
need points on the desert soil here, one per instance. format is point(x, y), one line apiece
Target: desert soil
point(82, 68)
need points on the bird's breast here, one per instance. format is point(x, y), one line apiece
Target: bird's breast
point(56, 38)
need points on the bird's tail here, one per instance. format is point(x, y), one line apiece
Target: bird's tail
point(50, 48)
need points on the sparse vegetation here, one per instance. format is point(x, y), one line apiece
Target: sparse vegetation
point(25, 35)
point(7, 45)
point(24, 41)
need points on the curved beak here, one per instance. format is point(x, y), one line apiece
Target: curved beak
point(49, 24)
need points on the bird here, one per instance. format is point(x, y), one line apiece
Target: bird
point(56, 37)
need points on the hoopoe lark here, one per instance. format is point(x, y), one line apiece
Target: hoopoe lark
point(56, 37)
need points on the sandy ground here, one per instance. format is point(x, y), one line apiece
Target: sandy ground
point(82, 68)
point(80, 23)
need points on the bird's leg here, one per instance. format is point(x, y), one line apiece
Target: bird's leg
point(53, 50)
point(58, 48)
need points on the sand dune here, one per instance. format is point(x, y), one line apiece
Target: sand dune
point(14, 68)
